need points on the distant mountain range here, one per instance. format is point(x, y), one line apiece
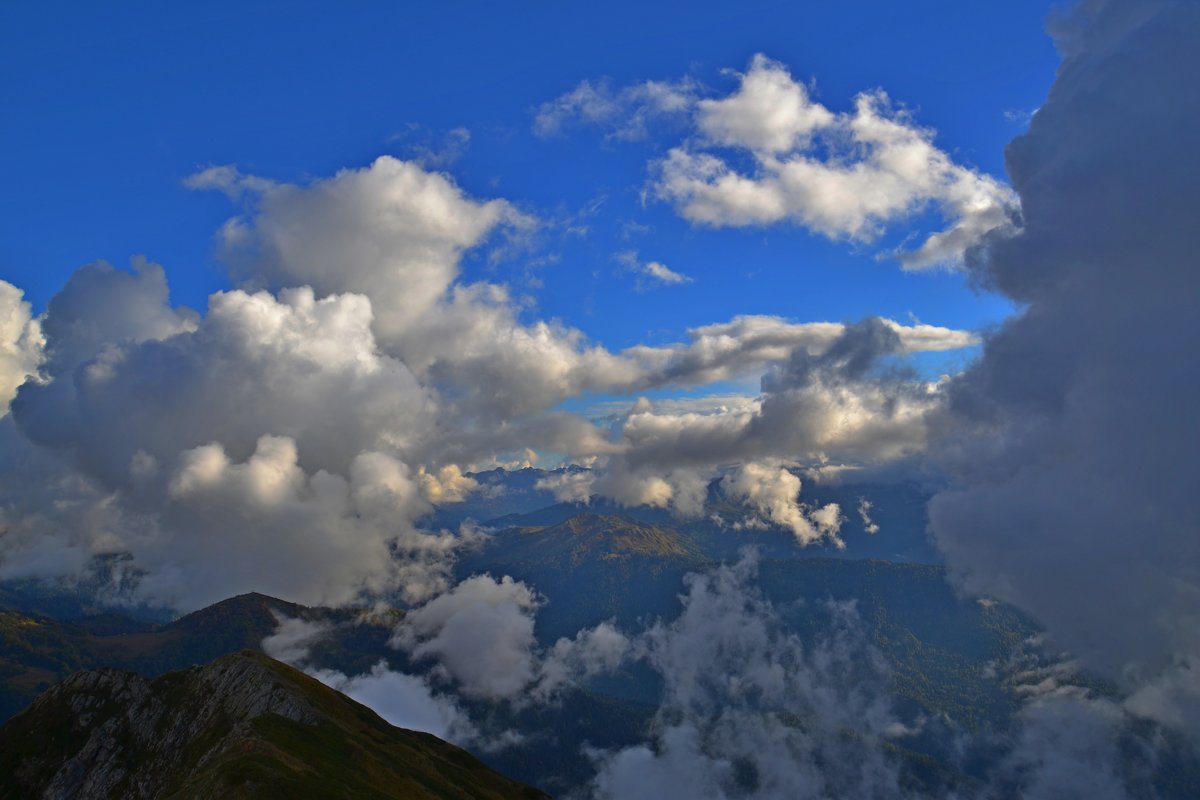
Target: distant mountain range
point(953, 662)
point(244, 726)
point(510, 498)
point(37, 651)
point(590, 568)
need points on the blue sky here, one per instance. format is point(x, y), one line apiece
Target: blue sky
point(109, 110)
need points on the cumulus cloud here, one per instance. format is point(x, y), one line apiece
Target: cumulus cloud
point(21, 343)
point(836, 402)
point(569, 486)
point(99, 311)
point(446, 485)
point(593, 651)
point(315, 537)
point(830, 395)
point(481, 634)
point(751, 710)
point(395, 233)
point(1071, 439)
point(391, 231)
point(259, 447)
point(844, 175)
point(287, 438)
point(774, 492)
point(769, 113)
point(474, 641)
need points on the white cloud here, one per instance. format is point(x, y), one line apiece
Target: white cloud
point(256, 364)
point(820, 404)
point(593, 651)
point(769, 113)
point(406, 701)
point(747, 344)
point(625, 113)
point(650, 273)
point(481, 634)
point(864, 512)
point(873, 167)
point(392, 231)
point(312, 537)
point(292, 639)
point(663, 274)
point(446, 485)
point(700, 404)
point(846, 175)
point(568, 487)
point(223, 449)
point(1068, 745)
point(734, 681)
point(21, 343)
point(774, 491)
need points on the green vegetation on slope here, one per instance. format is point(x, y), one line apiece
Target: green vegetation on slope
point(36, 651)
point(245, 726)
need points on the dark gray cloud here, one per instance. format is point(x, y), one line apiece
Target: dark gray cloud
point(1072, 441)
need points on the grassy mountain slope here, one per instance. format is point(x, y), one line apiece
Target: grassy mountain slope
point(245, 726)
point(592, 567)
point(37, 651)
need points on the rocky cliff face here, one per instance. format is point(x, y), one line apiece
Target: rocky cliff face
point(243, 726)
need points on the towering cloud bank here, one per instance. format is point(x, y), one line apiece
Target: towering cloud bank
point(288, 437)
point(20, 343)
point(1073, 439)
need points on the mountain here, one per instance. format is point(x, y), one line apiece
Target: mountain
point(36, 651)
point(879, 520)
point(500, 492)
point(586, 536)
point(593, 567)
point(245, 726)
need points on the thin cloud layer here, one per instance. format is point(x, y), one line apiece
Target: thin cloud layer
point(624, 112)
point(651, 273)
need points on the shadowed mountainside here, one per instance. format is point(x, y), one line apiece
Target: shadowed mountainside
point(37, 651)
point(245, 726)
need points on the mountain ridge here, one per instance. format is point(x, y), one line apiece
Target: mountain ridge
point(243, 726)
point(36, 650)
